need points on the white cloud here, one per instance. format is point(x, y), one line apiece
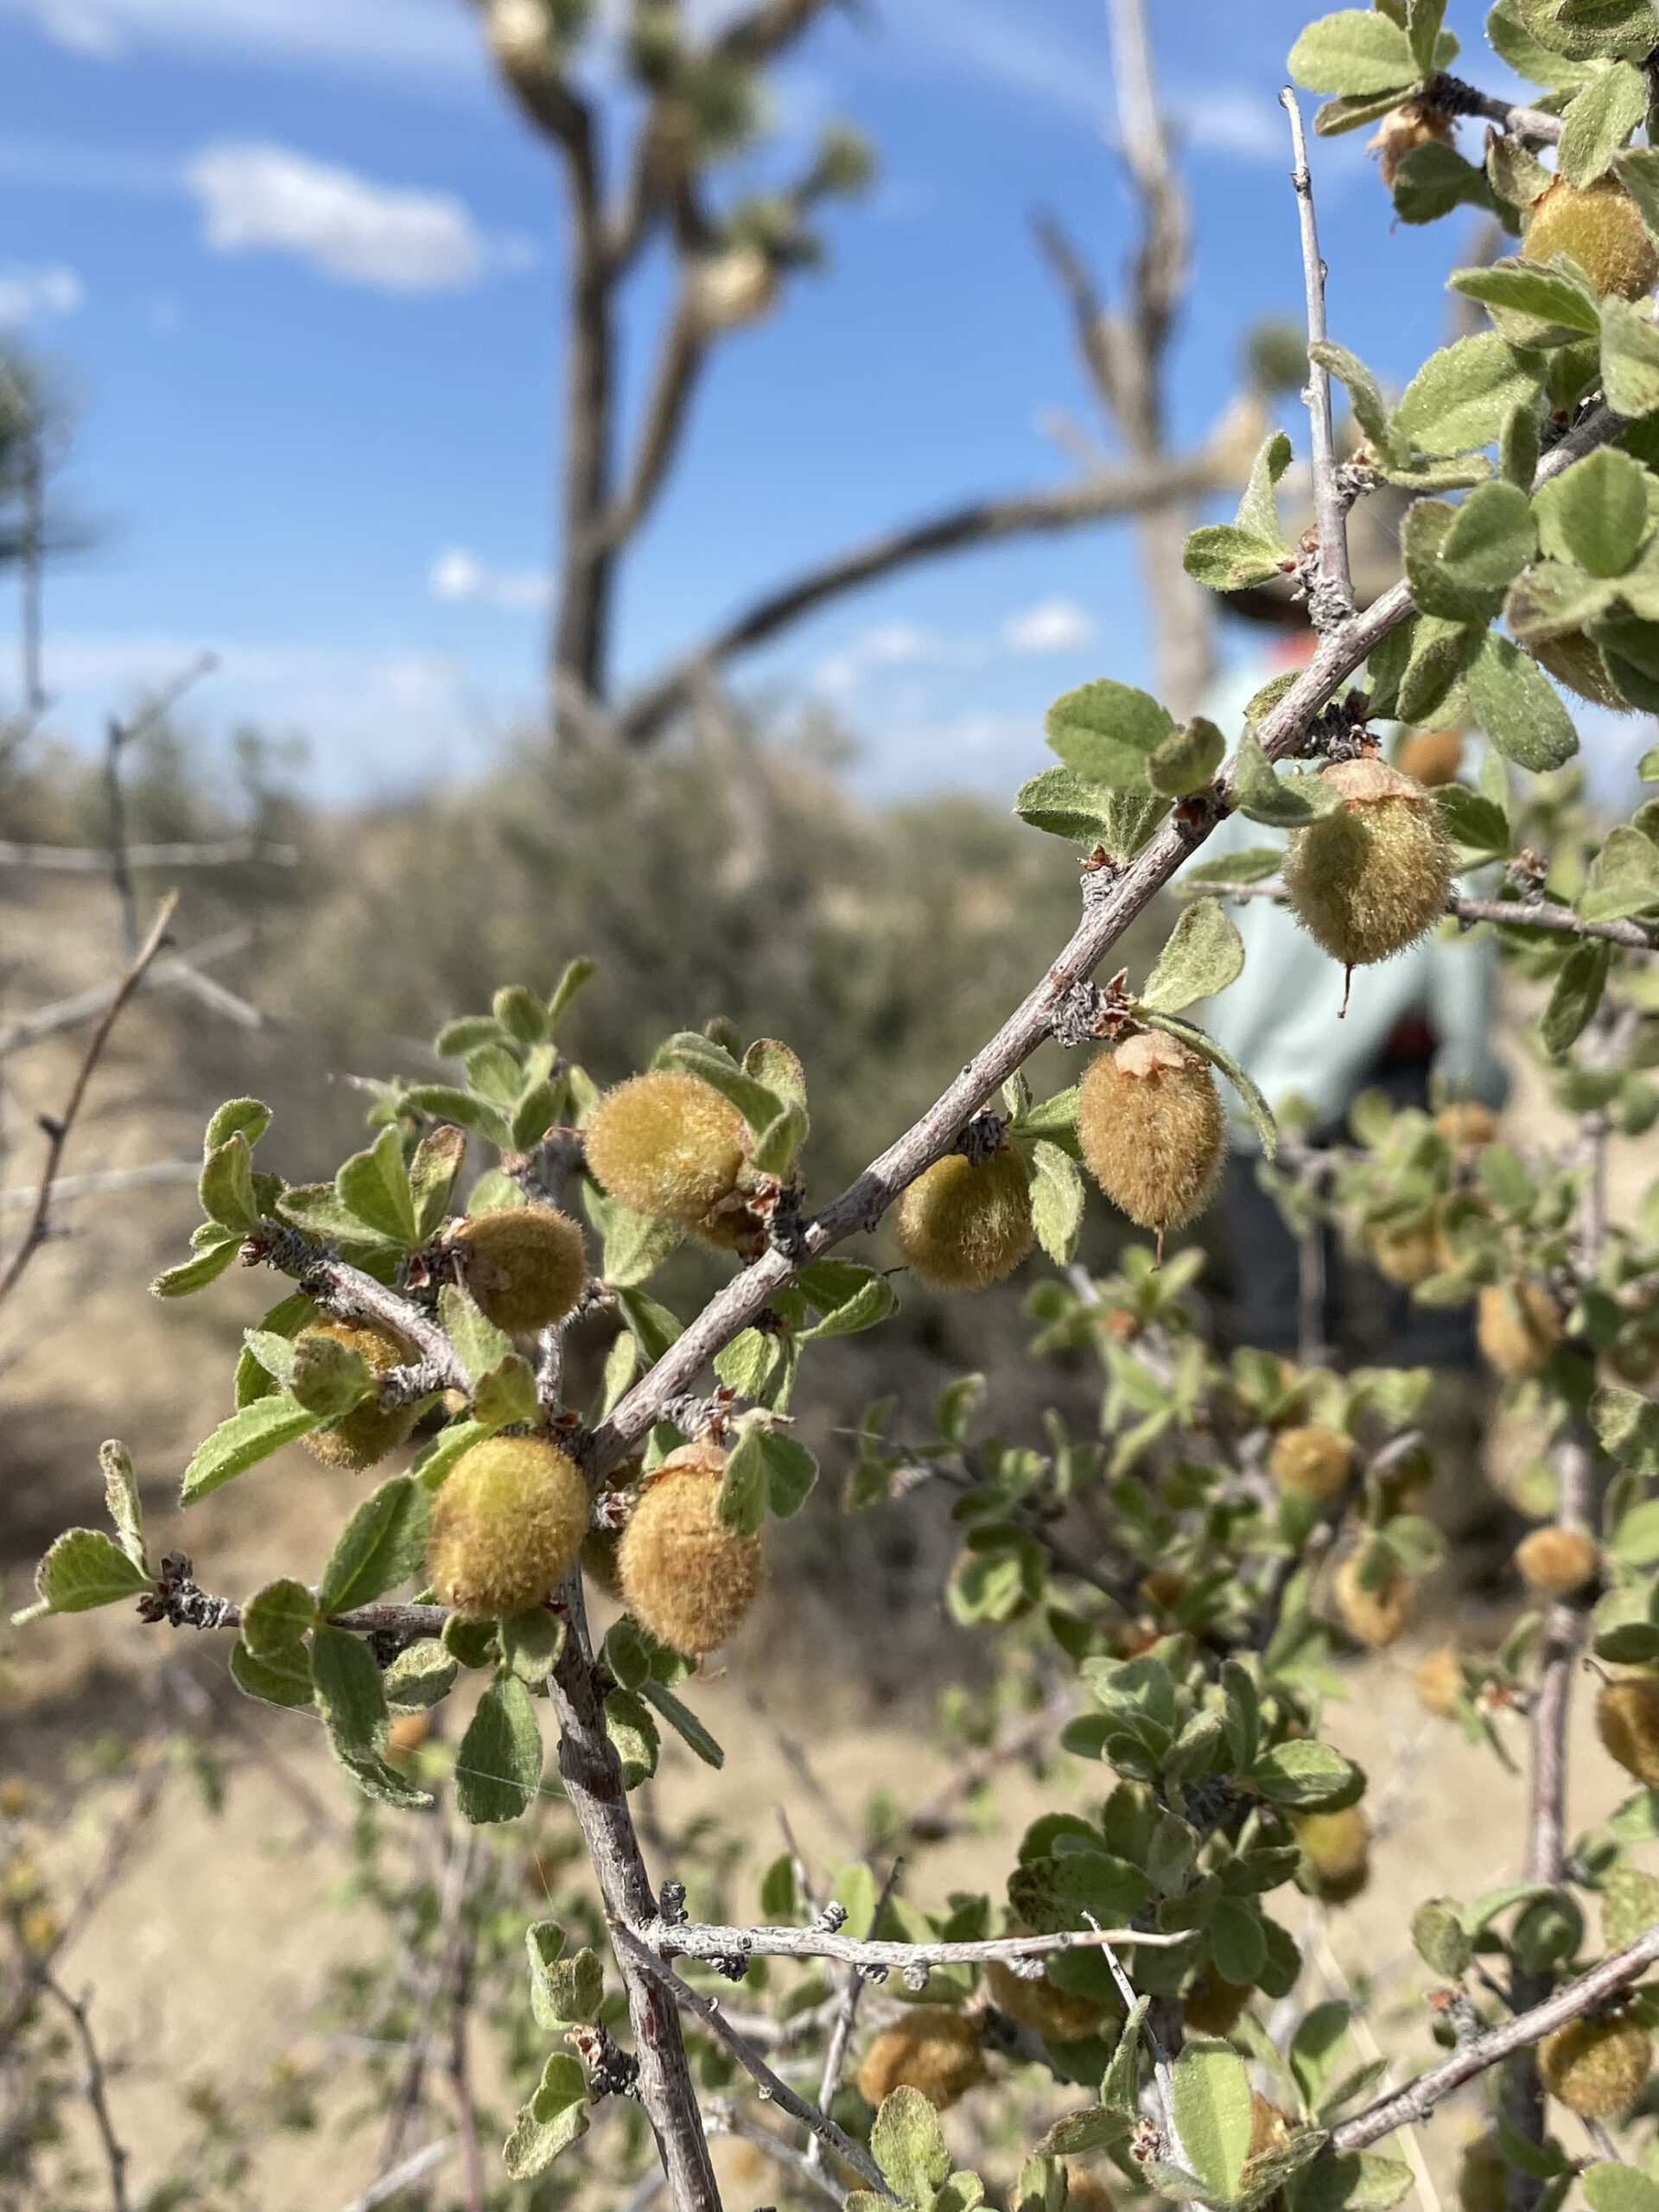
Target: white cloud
point(890, 644)
point(255, 196)
point(1229, 119)
point(1003, 44)
point(458, 575)
point(26, 293)
point(429, 35)
point(1053, 625)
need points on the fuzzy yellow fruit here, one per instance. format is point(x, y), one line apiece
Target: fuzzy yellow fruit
point(1213, 2006)
point(1374, 1618)
point(1483, 2177)
point(1059, 2015)
point(1367, 879)
point(684, 1575)
point(1596, 2069)
point(1600, 226)
point(963, 1224)
point(365, 1434)
point(1150, 1128)
point(932, 2049)
point(1557, 1561)
point(507, 1525)
point(1338, 1848)
point(1402, 130)
point(668, 1145)
point(1467, 1122)
point(1313, 1459)
point(1627, 1720)
point(1430, 757)
point(1438, 1682)
point(524, 1267)
point(1517, 1326)
point(1412, 1254)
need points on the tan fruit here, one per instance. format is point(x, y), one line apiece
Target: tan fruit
point(1467, 1122)
point(1483, 2177)
point(1557, 1561)
point(1627, 1720)
point(1597, 225)
point(1402, 130)
point(524, 1267)
point(1060, 2015)
point(1369, 878)
point(1596, 2069)
point(1150, 1128)
point(366, 1433)
point(1374, 1618)
point(1165, 1586)
point(1212, 2007)
point(1517, 1326)
point(1409, 1256)
point(1313, 1459)
point(409, 1731)
point(668, 1145)
point(1430, 757)
point(1086, 2192)
point(1438, 1682)
point(686, 1577)
point(507, 1525)
point(1337, 1849)
point(932, 2049)
point(963, 1224)
point(1576, 661)
point(1269, 2125)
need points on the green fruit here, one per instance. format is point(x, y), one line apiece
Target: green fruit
point(1599, 226)
point(965, 1223)
point(667, 1145)
point(684, 1574)
point(524, 1267)
point(367, 1433)
point(1597, 2069)
point(1369, 877)
point(507, 1525)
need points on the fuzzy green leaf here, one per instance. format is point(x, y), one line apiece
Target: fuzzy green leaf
point(84, 1568)
point(432, 1175)
point(1356, 52)
point(1518, 708)
point(1106, 733)
point(1212, 2114)
point(324, 1375)
point(1265, 797)
point(1303, 1774)
point(277, 1616)
point(1254, 866)
point(374, 1187)
point(499, 1766)
point(1352, 2181)
point(251, 1434)
point(1595, 513)
point(1064, 806)
point(349, 1694)
point(1593, 30)
point(121, 1500)
point(196, 1273)
point(421, 1676)
point(1629, 358)
point(1186, 761)
point(1057, 1202)
point(1624, 877)
point(1575, 996)
point(1364, 394)
point(1203, 955)
point(281, 1677)
point(1255, 1105)
point(1472, 821)
point(555, 2117)
point(1459, 399)
point(383, 1544)
point(226, 1185)
point(1598, 120)
point(909, 2146)
point(685, 1723)
point(1222, 558)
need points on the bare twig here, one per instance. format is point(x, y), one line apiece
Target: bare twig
point(708, 1943)
point(1331, 599)
point(105, 1178)
point(70, 1013)
point(97, 860)
point(415, 2167)
point(1510, 913)
point(1457, 97)
point(724, 2119)
point(93, 2086)
point(58, 1127)
point(841, 2032)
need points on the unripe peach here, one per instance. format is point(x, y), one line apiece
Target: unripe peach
point(1313, 1459)
point(1557, 1561)
point(1597, 2069)
point(524, 1267)
point(1059, 2015)
point(1367, 879)
point(1150, 1128)
point(962, 1224)
point(1627, 1720)
point(1374, 1618)
point(367, 1432)
point(1483, 2177)
point(668, 1145)
point(1430, 757)
point(507, 1525)
point(1337, 1849)
point(1411, 1255)
point(685, 1576)
point(932, 2049)
point(1598, 225)
point(1517, 1326)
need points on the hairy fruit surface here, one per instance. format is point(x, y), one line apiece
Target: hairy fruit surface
point(1430, 757)
point(1367, 879)
point(964, 1225)
point(668, 1145)
point(1438, 1682)
point(1373, 1617)
point(1338, 1848)
point(1557, 1561)
point(1060, 2015)
point(1517, 1326)
point(507, 1525)
point(1627, 1721)
point(685, 1576)
point(1597, 2067)
point(1213, 2006)
point(1313, 1459)
point(932, 2049)
point(1466, 1121)
point(1597, 225)
point(524, 1267)
point(1150, 1128)
point(365, 1434)
point(1402, 130)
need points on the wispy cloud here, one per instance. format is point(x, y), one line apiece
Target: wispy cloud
point(27, 293)
point(457, 575)
point(263, 197)
point(1053, 625)
point(1233, 121)
point(426, 36)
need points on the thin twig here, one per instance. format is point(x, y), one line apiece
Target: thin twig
point(104, 1178)
point(723, 2119)
point(68, 1013)
point(1331, 599)
point(1510, 913)
point(58, 1127)
point(834, 2056)
point(703, 1941)
point(93, 2086)
point(415, 2167)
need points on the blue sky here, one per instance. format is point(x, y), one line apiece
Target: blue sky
point(298, 260)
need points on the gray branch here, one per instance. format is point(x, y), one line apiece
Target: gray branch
point(709, 1944)
point(1512, 913)
point(1331, 599)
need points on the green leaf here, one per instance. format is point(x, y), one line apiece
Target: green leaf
point(448, 1103)
point(281, 1678)
point(349, 1693)
point(1352, 2181)
point(247, 1117)
point(1593, 30)
point(563, 1991)
point(695, 1054)
point(1203, 955)
point(1442, 1942)
point(1624, 877)
point(450, 1444)
point(530, 1644)
point(1472, 821)
point(1255, 1105)
point(1575, 996)
point(1212, 2114)
point(1265, 797)
point(1442, 651)
point(576, 974)
point(1357, 52)
point(499, 1766)
point(1236, 1942)
point(1433, 587)
point(506, 1394)
point(324, 1375)
point(226, 1185)
point(374, 1185)
point(1610, 2188)
point(421, 1676)
point(790, 1471)
point(1107, 732)
point(251, 1434)
point(1518, 708)
point(383, 1544)
point(1258, 511)
point(1064, 805)
point(1057, 1202)
point(1595, 513)
point(778, 1145)
point(685, 1723)
point(1629, 358)
point(633, 1737)
point(84, 1568)
point(1527, 56)
point(1459, 399)
point(1491, 537)
point(1627, 1428)
point(196, 1273)
point(908, 2145)
point(741, 1504)
point(121, 1500)
point(1315, 2048)
point(1187, 760)
point(521, 1013)
point(1222, 558)
point(555, 2117)
point(1423, 21)
point(1553, 598)
point(1254, 866)
point(653, 1324)
point(1432, 179)
point(1364, 394)
point(848, 1297)
point(432, 1175)
point(1598, 120)
point(481, 1346)
point(1303, 1774)
point(277, 1616)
